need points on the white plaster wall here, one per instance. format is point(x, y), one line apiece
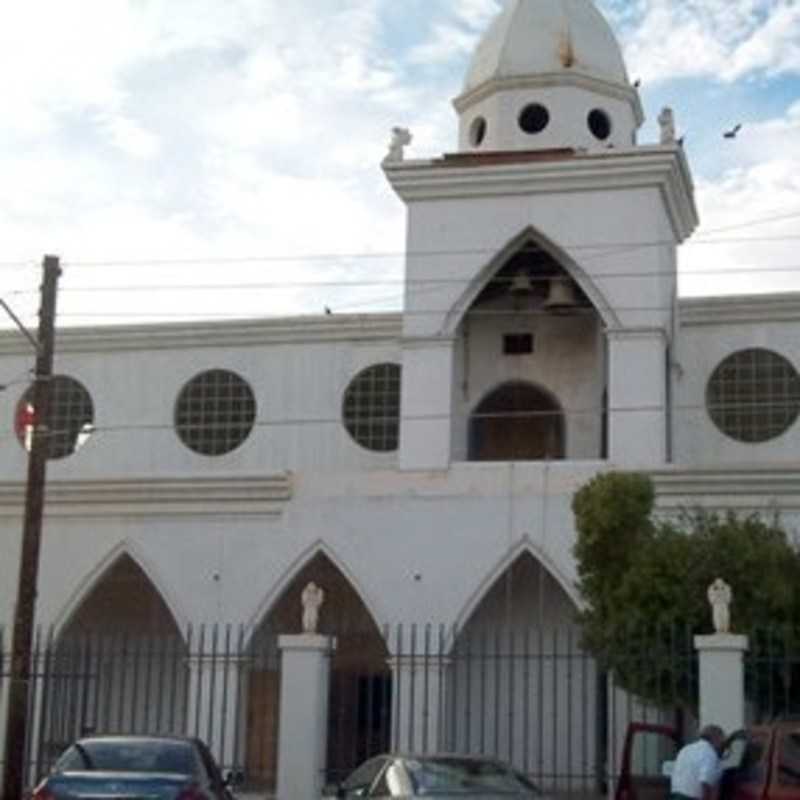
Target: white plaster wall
point(615, 243)
point(700, 349)
point(569, 108)
point(417, 547)
point(299, 390)
point(609, 238)
point(568, 361)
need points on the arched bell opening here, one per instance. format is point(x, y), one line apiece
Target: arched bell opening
point(520, 688)
point(118, 665)
point(360, 686)
point(517, 422)
point(530, 324)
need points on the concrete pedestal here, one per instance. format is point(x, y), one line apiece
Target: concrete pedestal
point(303, 733)
point(722, 680)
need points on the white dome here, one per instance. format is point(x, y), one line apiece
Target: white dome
point(536, 37)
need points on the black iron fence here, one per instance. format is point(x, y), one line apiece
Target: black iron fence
point(532, 697)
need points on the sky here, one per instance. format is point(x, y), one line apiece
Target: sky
point(219, 158)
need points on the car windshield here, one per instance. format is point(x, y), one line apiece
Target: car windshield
point(457, 776)
point(124, 755)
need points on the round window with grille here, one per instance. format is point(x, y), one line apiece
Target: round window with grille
point(754, 395)
point(371, 408)
point(70, 421)
point(215, 412)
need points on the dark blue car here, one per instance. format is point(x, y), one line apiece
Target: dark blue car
point(157, 767)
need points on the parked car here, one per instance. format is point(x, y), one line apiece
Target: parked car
point(442, 776)
point(759, 763)
point(158, 767)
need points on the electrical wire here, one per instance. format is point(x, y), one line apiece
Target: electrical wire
point(379, 256)
point(400, 282)
point(301, 422)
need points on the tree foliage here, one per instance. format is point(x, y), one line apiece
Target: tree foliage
point(644, 582)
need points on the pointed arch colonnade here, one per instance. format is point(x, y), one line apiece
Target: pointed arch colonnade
point(122, 658)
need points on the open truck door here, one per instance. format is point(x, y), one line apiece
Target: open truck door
point(647, 759)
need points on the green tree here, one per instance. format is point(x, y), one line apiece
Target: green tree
point(644, 582)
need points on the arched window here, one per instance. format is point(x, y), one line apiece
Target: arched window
point(517, 422)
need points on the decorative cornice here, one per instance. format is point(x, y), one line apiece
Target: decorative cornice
point(552, 80)
point(629, 334)
point(747, 488)
point(740, 309)
point(233, 333)
point(663, 167)
point(169, 496)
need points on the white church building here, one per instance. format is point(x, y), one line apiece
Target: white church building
point(418, 466)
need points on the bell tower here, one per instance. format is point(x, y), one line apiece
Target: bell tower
point(541, 266)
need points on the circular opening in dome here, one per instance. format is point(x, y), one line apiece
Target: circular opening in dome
point(600, 124)
point(534, 118)
point(477, 131)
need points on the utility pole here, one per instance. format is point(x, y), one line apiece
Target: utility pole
point(25, 611)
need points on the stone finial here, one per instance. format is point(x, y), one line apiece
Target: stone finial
point(312, 599)
point(720, 597)
point(401, 138)
point(666, 120)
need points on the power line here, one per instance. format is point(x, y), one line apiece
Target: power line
point(752, 223)
point(401, 282)
point(300, 422)
point(379, 255)
point(345, 310)
point(406, 254)
point(405, 283)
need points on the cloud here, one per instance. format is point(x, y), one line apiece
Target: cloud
point(715, 39)
point(153, 130)
point(763, 187)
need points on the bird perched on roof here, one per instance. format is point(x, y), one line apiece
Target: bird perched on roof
point(637, 83)
point(731, 134)
point(328, 312)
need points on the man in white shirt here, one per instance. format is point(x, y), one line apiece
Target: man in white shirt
point(697, 768)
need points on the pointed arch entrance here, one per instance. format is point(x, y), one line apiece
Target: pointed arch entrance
point(520, 687)
point(117, 664)
point(530, 358)
point(358, 721)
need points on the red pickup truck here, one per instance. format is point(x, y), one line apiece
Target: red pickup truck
point(760, 763)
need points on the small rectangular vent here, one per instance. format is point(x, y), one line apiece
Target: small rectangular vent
point(517, 344)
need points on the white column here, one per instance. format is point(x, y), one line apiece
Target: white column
point(426, 406)
point(303, 731)
point(722, 680)
point(418, 703)
point(637, 397)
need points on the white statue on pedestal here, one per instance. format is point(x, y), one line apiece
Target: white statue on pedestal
point(401, 138)
point(666, 120)
point(720, 597)
point(312, 599)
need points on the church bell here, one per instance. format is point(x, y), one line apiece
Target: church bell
point(561, 296)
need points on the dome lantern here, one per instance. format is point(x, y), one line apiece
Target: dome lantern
point(548, 74)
